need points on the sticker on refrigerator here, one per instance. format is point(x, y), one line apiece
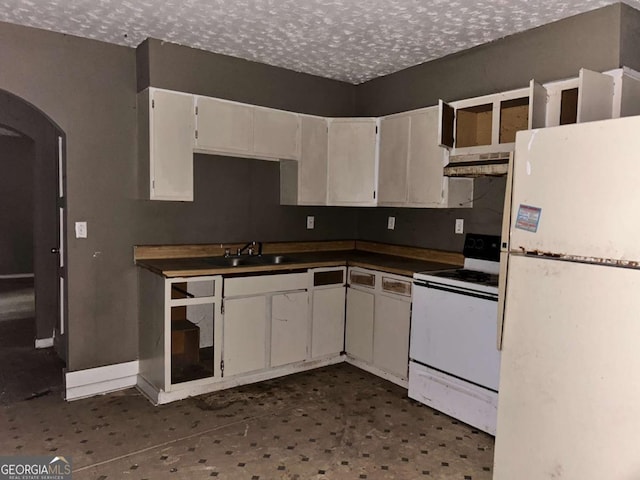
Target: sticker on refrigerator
point(528, 218)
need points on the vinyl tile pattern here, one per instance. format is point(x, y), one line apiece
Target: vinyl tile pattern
point(336, 422)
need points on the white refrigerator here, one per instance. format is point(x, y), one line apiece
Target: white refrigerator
point(569, 404)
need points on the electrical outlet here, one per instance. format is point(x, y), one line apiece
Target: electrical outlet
point(459, 226)
point(81, 229)
point(311, 222)
point(391, 223)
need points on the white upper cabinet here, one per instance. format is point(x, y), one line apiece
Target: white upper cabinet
point(223, 126)
point(304, 182)
point(489, 124)
point(276, 134)
point(166, 121)
point(239, 129)
point(352, 161)
point(394, 159)
point(411, 164)
point(595, 96)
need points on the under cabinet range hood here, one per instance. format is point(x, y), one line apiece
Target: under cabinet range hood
point(477, 165)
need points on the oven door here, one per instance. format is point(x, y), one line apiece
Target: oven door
point(453, 330)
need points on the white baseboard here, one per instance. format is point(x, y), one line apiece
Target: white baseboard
point(401, 382)
point(96, 381)
point(18, 275)
point(44, 342)
point(198, 387)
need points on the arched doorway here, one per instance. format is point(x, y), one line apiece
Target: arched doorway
point(37, 144)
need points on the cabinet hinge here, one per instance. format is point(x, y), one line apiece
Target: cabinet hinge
point(374, 194)
point(222, 367)
point(153, 184)
point(376, 129)
point(222, 307)
point(196, 134)
point(60, 202)
point(196, 110)
point(153, 103)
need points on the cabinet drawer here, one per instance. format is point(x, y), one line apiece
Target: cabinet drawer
point(395, 285)
point(362, 278)
point(331, 277)
point(234, 287)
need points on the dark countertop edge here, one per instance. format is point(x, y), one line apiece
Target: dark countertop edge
point(183, 267)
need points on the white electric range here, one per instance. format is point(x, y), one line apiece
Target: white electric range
point(454, 361)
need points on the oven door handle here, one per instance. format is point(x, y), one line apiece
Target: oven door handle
point(458, 290)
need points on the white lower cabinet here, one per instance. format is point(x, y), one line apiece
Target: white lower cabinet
point(200, 334)
point(289, 327)
point(391, 334)
point(378, 321)
point(359, 329)
point(244, 335)
point(266, 322)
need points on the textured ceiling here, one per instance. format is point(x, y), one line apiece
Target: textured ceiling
point(349, 40)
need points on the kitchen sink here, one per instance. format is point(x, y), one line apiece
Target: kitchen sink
point(247, 260)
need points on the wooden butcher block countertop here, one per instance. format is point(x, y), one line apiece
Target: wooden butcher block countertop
point(195, 260)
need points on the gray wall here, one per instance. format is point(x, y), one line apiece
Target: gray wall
point(434, 228)
point(554, 51)
point(17, 158)
point(238, 200)
point(89, 89)
point(630, 37)
point(174, 67)
point(550, 52)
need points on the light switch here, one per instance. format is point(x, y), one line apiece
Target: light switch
point(459, 226)
point(391, 223)
point(311, 222)
point(81, 229)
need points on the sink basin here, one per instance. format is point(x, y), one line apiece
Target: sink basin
point(274, 259)
point(228, 261)
point(248, 260)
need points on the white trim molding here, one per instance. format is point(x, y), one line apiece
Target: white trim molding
point(44, 342)
point(96, 381)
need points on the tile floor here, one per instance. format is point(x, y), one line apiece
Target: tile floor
point(336, 422)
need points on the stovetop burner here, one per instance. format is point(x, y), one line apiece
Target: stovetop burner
point(471, 276)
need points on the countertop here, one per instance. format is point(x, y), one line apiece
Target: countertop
point(295, 259)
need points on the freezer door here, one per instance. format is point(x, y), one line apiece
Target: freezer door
point(568, 404)
point(575, 190)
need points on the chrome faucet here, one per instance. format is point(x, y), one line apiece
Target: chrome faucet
point(251, 249)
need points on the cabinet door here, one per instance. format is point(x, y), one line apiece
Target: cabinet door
point(629, 96)
point(289, 327)
point(359, 330)
point(537, 105)
point(391, 334)
point(446, 124)
point(352, 162)
point(426, 160)
point(595, 96)
point(276, 134)
point(327, 335)
point(223, 126)
point(312, 175)
point(394, 151)
point(171, 131)
point(244, 335)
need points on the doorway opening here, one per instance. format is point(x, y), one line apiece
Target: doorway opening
point(33, 346)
